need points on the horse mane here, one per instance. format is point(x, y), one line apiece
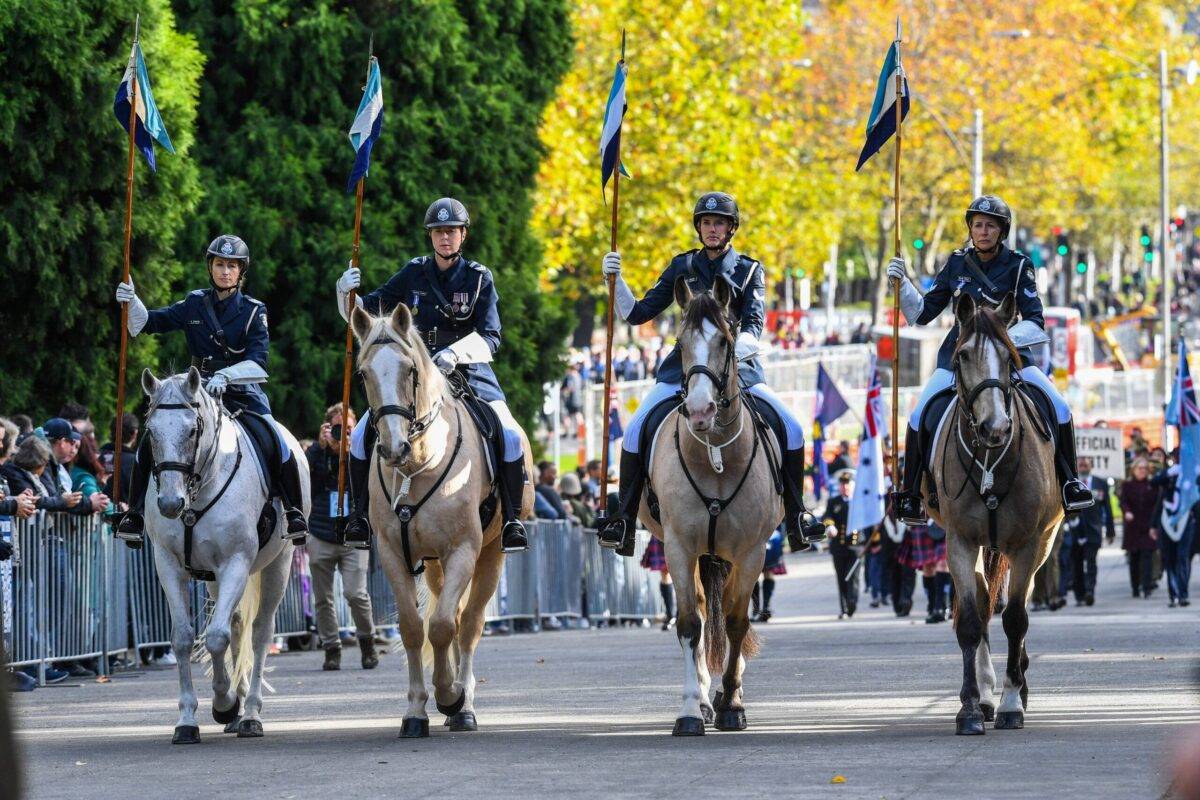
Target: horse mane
point(172, 386)
point(703, 308)
point(987, 325)
point(432, 385)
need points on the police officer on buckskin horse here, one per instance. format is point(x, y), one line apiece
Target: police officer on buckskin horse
point(986, 270)
point(716, 219)
point(454, 304)
point(227, 337)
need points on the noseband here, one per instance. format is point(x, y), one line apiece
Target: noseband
point(416, 425)
point(192, 476)
point(967, 400)
point(721, 382)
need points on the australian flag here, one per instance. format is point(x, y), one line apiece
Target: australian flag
point(881, 125)
point(367, 124)
point(610, 136)
point(149, 124)
point(827, 407)
point(1184, 412)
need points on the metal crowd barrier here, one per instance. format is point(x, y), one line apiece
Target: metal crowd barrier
point(72, 592)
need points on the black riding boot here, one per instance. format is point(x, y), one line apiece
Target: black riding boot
point(1076, 496)
point(132, 525)
point(355, 530)
point(617, 531)
point(293, 501)
point(513, 538)
point(803, 529)
point(907, 502)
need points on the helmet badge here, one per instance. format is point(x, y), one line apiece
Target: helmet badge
point(985, 205)
point(710, 203)
point(443, 215)
point(227, 247)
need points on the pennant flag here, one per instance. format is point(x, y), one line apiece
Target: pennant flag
point(820, 473)
point(610, 136)
point(367, 124)
point(881, 125)
point(150, 127)
point(868, 503)
point(828, 405)
point(1184, 412)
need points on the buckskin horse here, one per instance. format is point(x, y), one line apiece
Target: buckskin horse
point(997, 497)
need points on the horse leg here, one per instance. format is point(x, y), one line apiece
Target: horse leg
point(232, 583)
point(457, 570)
point(731, 713)
point(412, 634)
point(969, 626)
point(689, 627)
point(175, 585)
point(470, 629)
point(1011, 713)
point(985, 673)
point(272, 583)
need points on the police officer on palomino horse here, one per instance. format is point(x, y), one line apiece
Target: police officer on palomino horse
point(986, 270)
point(454, 304)
point(716, 219)
point(226, 332)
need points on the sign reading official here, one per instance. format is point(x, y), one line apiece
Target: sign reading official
point(1104, 447)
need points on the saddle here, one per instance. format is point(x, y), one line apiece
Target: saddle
point(491, 433)
point(265, 444)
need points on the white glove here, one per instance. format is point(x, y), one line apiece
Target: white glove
point(351, 279)
point(217, 384)
point(611, 265)
point(138, 315)
point(446, 360)
point(897, 269)
point(746, 346)
point(243, 373)
point(911, 301)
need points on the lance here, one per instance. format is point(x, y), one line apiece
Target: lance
point(896, 282)
point(608, 341)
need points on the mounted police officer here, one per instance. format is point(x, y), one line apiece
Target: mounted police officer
point(454, 304)
point(226, 332)
point(986, 270)
point(716, 219)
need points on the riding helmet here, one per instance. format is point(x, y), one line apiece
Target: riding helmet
point(992, 206)
point(228, 246)
point(716, 204)
point(447, 212)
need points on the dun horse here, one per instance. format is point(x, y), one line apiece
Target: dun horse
point(993, 471)
point(718, 507)
point(428, 480)
point(205, 476)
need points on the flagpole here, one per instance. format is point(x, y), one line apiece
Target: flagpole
point(611, 280)
point(122, 358)
point(895, 281)
point(351, 302)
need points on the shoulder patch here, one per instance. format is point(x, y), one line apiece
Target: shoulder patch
point(196, 293)
point(475, 265)
point(252, 301)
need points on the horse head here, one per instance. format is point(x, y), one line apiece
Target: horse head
point(983, 363)
point(403, 385)
point(181, 424)
point(706, 345)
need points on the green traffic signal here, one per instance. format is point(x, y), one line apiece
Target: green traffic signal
point(1081, 267)
point(1145, 240)
point(1148, 257)
point(919, 244)
point(1062, 249)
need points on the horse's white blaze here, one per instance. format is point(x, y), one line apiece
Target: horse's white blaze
point(999, 418)
point(700, 389)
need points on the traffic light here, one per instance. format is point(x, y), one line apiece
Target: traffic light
point(1081, 267)
point(918, 243)
point(1147, 245)
point(1060, 237)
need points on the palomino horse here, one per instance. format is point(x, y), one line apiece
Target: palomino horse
point(993, 470)
point(718, 506)
point(202, 511)
point(428, 479)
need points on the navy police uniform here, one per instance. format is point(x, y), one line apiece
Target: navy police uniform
point(1086, 531)
point(842, 550)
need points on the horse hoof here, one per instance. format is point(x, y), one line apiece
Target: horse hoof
point(249, 729)
point(731, 719)
point(708, 714)
point(186, 734)
point(232, 727)
point(969, 725)
point(414, 728)
point(1010, 721)
point(229, 715)
point(688, 726)
point(989, 711)
point(455, 707)
point(462, 721)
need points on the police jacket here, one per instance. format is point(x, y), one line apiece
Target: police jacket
point(744, 276)
point(1089, 525)
point(446, 306)
point(837, 513)
point(220, 333)
point(1008, 271)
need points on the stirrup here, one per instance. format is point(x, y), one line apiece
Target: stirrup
point(513, 538)
point(811, 529)
point(612, 532)
point(1080, 502)
point(354, 531)
point(130, 529)
point(297, 527)
point(909, 508)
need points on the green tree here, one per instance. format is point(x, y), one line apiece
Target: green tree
point(464, 85)
point(62, 175)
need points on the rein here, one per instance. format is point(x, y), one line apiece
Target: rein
point(724, 400)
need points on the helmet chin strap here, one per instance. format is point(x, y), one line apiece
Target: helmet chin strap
point(724, 242)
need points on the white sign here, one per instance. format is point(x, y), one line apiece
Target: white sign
point(1104, 447)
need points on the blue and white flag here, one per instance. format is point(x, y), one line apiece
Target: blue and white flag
point(881, 125)
point(610, 136)
point(149, 124)
point(1184, 412)
point(367, 124)
point(868, 504)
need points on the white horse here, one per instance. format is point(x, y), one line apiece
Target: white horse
point(205, 472)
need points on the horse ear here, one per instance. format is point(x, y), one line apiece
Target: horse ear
point(150, 383)
point(360, 322)
point(683, 295)
point(193, 380)
point(722, 293)
point(1007, 311)
point(964, 312)
point(401, 319)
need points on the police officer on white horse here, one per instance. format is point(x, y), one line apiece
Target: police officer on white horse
point(716, 219)
point(986, 270)
point(226, 332)
point(454, 304)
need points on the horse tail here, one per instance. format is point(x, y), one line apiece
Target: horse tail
point(247, 611)
point(713, 572)
point(996, 565)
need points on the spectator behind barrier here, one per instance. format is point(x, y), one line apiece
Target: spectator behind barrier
point(130, 428)
point(24, 471)
point(64, 445)
point(547, 475)
point(19, 504)
point(572, 492)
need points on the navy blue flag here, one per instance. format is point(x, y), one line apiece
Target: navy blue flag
point(827, 407)
point(881, 125)
point(368, 122)
point(610, 134)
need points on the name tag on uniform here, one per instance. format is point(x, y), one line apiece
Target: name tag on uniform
point(333, 505)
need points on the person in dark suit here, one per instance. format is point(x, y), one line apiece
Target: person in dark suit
point(1087, 528)
point(843, 545)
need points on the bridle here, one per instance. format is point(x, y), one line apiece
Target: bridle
point(417, 426)
point(724, 401)
point(967, 399)
point(193, 477)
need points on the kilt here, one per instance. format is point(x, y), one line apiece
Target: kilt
point(774, 561)
point(919, 550)
point(655, 558)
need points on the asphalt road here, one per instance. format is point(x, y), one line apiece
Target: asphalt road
point(588, 713)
